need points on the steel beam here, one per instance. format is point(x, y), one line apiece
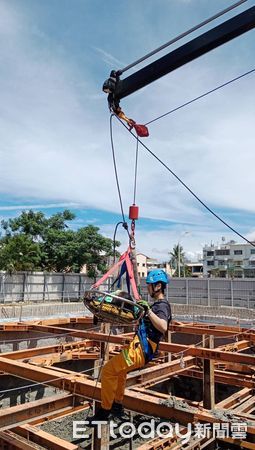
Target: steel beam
point(153, 375)
point(198, 46)
point(223, 377)
point(134, 401)
point(242, 444)
point(234, 399)
point(43, 438)
point(11, 441)
point(57, 348)
point(164, 346)
point(22, 414)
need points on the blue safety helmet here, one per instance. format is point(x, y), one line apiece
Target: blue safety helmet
point(157, 275)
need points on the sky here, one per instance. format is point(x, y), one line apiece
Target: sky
point(55, 150)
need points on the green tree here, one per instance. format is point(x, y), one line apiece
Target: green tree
point(19, 252)
point(186, 271)
point(174, 257)
point(32, 241)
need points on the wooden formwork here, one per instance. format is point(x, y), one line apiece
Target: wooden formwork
point(219, 355)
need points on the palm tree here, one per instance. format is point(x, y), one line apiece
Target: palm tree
point(175, 254)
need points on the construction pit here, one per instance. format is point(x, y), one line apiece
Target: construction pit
point(202, 383)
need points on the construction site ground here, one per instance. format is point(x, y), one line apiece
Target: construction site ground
point(203, 373)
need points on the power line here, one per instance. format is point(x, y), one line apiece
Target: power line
point(186, 186)
point(201, 96)
point(182, 35)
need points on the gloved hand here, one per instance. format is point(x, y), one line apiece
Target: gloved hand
point(145, 305)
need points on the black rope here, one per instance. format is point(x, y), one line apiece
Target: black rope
point(125, 226)
point(136, 166)
point(200, 96)
point(185, 185)
point(100, 370)
point(182, 35)
point(115, 169)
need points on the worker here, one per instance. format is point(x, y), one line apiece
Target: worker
point(140, 351)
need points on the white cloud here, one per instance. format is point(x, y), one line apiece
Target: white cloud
point(55, 141)
point(41, 206)
point(108, 58)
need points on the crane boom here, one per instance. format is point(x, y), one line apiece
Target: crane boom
point(198, 46)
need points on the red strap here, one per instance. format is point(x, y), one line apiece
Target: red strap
point(142, 130)
point(110, 271)
point(124, 257)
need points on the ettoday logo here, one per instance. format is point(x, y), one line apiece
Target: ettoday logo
point(151, 429)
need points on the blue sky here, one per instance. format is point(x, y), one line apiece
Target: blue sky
point(54, 121)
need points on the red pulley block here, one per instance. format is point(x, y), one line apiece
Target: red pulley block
point(133, 212)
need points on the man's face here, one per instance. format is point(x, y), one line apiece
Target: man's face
point(150, 290)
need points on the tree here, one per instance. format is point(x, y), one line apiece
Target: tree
point(32, 241)
point(19, 252)
point(174, 260)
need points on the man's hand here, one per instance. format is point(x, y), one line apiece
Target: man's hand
point(145, 305)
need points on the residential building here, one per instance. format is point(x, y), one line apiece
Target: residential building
point(229, 259)
point(196, 269)
point(145, 264)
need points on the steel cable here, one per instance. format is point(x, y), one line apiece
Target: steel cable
point(182, 35)
point(186, 186)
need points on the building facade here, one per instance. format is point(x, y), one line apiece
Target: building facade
point(145, 264)
point(229, 259)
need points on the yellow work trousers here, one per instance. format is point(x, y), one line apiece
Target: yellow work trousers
point(114, 373)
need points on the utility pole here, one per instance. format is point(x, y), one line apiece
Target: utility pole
point(179, 260)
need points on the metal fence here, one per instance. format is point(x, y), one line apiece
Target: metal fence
point(65, 287)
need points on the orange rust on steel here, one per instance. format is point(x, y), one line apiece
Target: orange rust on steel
point(159, 395)
point(85, 355)
point(22, 414)
point(235, 346)
point(60, 414)
point(13, 442)
point(14, 327)
point(241, 444)
point(247, 406)
point(175, 443)
point(202, 330)
point(159, 443)
point(223, 377)
point(164, 346)
point(43, 438)
point(88, 320)
point(234, 398)
point(38, 351)
point(154, 374)
point(141, 403)
point(54, 358)
point(120, 339)
point(209, 353)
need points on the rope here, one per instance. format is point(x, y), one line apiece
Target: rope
point(200, 96)
point(187, 187)
point(51, 336)
point(100, 369)
point(115, 169)
point(136, 166)
point(114, 240)
point(215, 337)
point(47, 383)
point(180, 36)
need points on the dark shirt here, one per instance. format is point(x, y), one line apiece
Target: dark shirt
point(163, 310)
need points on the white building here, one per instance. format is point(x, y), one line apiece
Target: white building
point(229, 259)
point(196, 269)
point(145, 264)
